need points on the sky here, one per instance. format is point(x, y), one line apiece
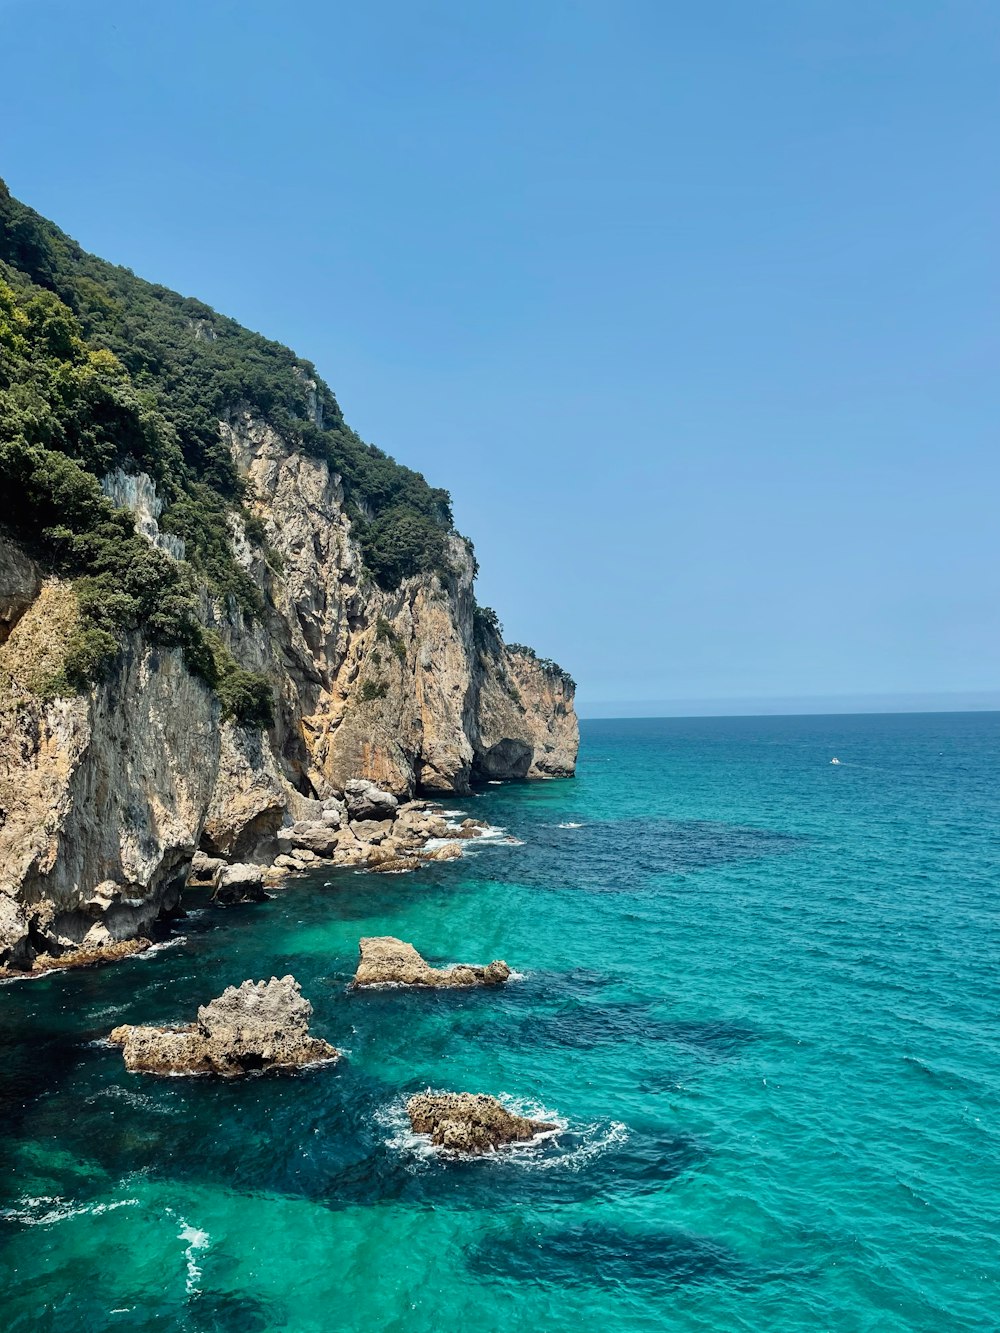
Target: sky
point(691, 306)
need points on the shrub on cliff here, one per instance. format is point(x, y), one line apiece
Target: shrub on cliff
point(130, 373)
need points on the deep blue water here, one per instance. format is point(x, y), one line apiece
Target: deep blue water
point(759, 990)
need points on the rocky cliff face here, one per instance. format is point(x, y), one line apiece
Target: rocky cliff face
point(106, 796)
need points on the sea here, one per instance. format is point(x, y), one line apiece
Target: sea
point(756, 990)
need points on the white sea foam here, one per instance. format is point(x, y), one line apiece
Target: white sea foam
point(490, 831)
point(432, 844)
point(107, 1011)
point(161, 947)
point(565, 1147)
point(570, 825)
point(595, 1139)
point(414, 1148)
point(579, 1144)
point(140, 1100)
point(44, 1209)
point(197, 1241)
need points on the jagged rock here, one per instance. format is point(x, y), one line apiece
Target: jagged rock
point(366, 801)
point(319, 838)
point(394, 865)
point(449, 852)
point(205, 870)
point(470, 1123)
point(253, 1026)
point(20, 584)
point(240, 884)
point(469, 828)
point(388, 961)
point(371, 830)
point(84, 956)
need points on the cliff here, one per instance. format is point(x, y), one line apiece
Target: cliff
point(179, 686)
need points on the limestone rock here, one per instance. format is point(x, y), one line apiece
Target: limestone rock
point(20, 584)
point(205, 869)
point(469, 828)
point(366, 801)
point(125, 781)
point(470, 1123)
point(370, 830)
point(451, 851)
point(334, 812)
point(240, 884)
point(388, 961)
point(393, 865)
point(320, 837)
point(253, 1026)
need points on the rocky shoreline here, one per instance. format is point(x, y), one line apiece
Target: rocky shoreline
point(366, 828)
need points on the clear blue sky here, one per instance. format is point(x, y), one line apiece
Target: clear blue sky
point(692, 306)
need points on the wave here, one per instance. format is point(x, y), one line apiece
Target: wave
point(569, 825)
point(161, 947)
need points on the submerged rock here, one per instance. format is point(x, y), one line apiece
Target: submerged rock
point(469, 1122)
point(388, 961)
point(253, 1026)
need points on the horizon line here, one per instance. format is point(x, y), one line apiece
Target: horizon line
point(967, 701)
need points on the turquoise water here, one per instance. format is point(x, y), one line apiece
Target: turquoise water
point(760, 990)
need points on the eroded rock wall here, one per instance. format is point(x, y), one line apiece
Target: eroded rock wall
point(105, 797)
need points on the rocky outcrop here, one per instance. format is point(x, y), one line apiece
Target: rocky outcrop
point(366, 801)
point(20, 584)
point(249, 1027)
point(105, 797)
point(465, 1122)
point(386, 961)
point(102, 796)
point(240, 884)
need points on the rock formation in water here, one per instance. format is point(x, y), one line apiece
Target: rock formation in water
point(249, 1027)
point(469, 1123)
point(228, 627)
point(386, 961)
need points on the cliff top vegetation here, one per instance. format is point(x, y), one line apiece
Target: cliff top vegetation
point(101, 370)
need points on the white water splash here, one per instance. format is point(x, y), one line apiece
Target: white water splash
point(197, 1241)
point(161, 947)
point(564, 1147)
